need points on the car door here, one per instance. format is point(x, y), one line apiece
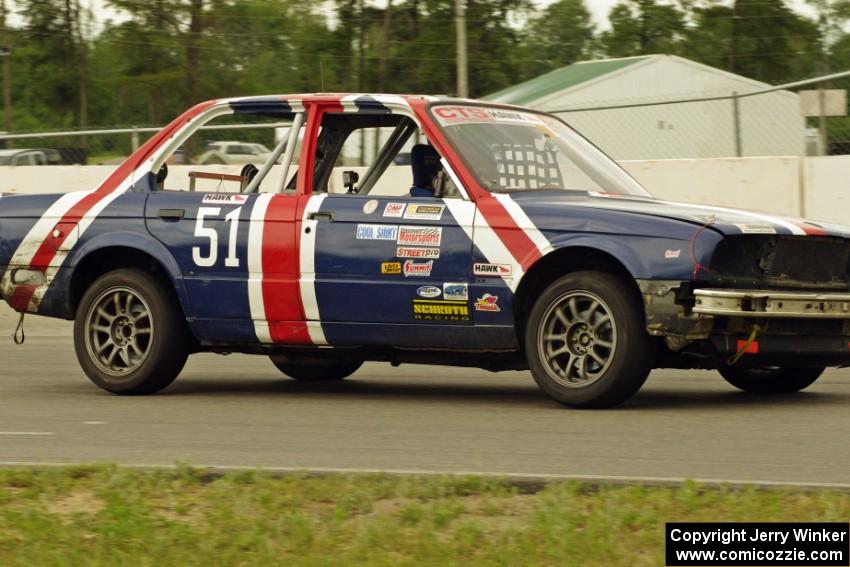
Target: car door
point(232, 250)
point(398, 260)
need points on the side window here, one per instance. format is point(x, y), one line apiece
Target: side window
point(378, 155)
point(227, 153)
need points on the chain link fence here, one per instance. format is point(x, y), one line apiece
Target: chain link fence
point(768, 122)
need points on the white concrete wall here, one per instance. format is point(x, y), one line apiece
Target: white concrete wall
point(817, 188)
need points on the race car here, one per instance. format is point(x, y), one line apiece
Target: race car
point(509, 242)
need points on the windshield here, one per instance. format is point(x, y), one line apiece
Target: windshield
point(509, 150)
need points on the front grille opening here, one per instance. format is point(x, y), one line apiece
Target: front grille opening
point(793, 262)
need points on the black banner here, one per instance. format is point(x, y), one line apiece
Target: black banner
point(757, 544)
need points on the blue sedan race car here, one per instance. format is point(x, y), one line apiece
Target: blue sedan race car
point(509, 242)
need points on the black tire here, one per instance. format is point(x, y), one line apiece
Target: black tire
point(316, 369)
point(583, 328)
point(771, 379)
point(164, 351)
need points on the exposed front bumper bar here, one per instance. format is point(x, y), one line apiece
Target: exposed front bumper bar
point(761, 303)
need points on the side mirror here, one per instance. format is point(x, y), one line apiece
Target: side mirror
point(349, 181)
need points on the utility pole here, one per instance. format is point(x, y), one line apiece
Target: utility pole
point(6, 56)
point(460, 30)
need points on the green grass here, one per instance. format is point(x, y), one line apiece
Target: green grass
point(112, 516)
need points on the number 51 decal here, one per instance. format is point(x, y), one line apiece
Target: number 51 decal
point(211, 234)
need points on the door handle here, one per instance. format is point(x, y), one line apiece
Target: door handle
point(171, 214)
point(321, 216)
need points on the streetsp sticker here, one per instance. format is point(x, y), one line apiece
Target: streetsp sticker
point(377, 232)
point(420, 235)
point(395, 210)
point(429, 291)
point(412, 252)
point(455, 291)
point(224, 199)
point(487, 302)
point(492, 270)
point(440, 310)
point(391, 268)
point(412, 268)
point(424, 212)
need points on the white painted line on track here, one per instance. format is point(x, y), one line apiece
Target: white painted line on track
point(27, 433)
point(509, 476)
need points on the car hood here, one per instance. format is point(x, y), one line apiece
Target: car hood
point(729, 221)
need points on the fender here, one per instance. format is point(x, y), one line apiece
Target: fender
point(150, 246)
point(617, 248)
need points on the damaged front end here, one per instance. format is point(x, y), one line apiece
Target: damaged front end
point(763, 299)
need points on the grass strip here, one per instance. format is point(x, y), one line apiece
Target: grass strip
point(106, 515)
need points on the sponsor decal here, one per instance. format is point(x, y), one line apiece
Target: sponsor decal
point(377, 232)
point(424, 212)
point(391, 268)
point(370, 206)
point(420, 235)
point(395, 210)
point(440, 310)
point(672, 254)
point(455, 291)
point(412, 268)
point(493, 270)
point(429, 291)
point(756, 228)
point(487, 302)
point(224, 199)
point(408, 252)
point(448, 115)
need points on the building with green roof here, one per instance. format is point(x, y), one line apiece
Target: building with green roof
point(768, 124)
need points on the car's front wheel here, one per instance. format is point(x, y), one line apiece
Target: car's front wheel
point(316, 369)
point(771, 379)
point(129, 333)
point(585, 341)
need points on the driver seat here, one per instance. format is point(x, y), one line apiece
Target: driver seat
point(425, 163)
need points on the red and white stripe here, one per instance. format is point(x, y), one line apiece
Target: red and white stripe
point(281, 270)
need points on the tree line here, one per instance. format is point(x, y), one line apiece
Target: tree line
point(71, 69)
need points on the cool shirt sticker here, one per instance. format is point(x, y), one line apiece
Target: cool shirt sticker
point(377, 232)
point(424, 253)
point(391, 268)
point(437, 310)
point(756, 228)
point(394, 210)
point(493, 270)
point(455, 291)
point(424, 212)
point(429, 291)
point(487, 302)
point(412, 268)
point(224, 199)
point(420, 235)
point(370, 206)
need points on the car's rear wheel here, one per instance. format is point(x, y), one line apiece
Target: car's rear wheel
point(771, 379)
point(129, 333)
point(316, 369)
point(585, 341)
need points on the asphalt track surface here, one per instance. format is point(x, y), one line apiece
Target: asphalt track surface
point(239, 411)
